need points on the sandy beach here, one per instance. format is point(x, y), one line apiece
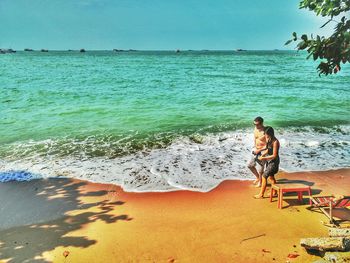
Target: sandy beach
point(66, 220)
point(132, 131)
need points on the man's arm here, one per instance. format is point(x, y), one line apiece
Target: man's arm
point(256, 151)
point(265, 151)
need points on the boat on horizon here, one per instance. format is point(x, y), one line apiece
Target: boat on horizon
point(7, 51)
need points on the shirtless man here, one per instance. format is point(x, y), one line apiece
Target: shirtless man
point(256, 166)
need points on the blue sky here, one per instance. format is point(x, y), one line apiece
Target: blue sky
point(152, 24)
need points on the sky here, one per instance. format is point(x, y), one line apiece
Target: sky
point(153, 24)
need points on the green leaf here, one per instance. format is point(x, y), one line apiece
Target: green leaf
point(326, 23)
point(288, 42)
point(304, 37)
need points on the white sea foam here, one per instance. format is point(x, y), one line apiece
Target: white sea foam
point(193, 165)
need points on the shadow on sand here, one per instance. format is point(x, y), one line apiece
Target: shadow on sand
point(35, 217)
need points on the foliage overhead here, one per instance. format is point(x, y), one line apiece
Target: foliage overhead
point(335, 49)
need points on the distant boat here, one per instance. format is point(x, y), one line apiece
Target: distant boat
point(240, 50)
point(6, 51)
point(44, 50)
point(177, 51)
point(28, 49)
point(82, 50)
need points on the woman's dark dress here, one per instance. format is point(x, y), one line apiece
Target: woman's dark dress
point(272, 166)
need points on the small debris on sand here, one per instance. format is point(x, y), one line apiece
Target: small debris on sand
point(249, 238)
point(292, 255)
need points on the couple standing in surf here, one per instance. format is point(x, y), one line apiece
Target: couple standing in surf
point(264, 161)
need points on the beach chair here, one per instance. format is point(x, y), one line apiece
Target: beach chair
point(327, 204)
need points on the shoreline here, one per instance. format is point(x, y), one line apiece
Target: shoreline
point(198, 191)
point(281, 170)
point(70, 220)
point(195, 190)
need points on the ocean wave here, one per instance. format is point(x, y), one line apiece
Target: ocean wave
point(197, 162)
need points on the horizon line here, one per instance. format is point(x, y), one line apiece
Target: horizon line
point(126, 50)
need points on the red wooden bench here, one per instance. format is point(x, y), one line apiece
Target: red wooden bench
point(289, 188)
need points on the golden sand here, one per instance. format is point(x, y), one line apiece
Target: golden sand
point(65, 220)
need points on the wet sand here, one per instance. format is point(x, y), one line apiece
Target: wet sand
point(67, 220)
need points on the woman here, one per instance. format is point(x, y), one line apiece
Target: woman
point(270, 155)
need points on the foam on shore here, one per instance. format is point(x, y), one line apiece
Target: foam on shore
point(198, 164)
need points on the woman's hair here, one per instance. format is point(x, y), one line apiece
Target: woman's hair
point(270, 132)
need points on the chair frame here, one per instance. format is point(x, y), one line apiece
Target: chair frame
point(330, 205)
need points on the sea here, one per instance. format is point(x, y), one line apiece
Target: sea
point(163, 120)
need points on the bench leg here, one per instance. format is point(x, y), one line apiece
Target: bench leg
point(300, 197)
point(271, 195)
point(310, 194)
point(280, 199)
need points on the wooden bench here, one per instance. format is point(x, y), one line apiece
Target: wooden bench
point(289, 188)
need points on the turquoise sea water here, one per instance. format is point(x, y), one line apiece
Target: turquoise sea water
point(165, 120)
